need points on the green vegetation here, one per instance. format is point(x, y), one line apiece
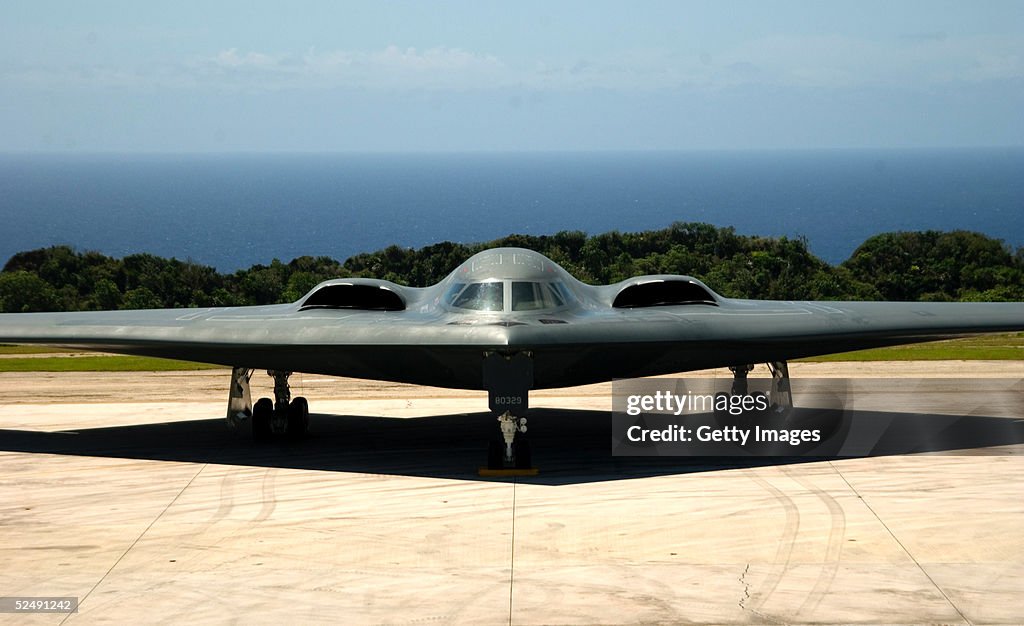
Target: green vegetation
point(985, 348)
point(16, 350)
point(50, 359)
point(98, 364)
point(931, 265)
point(938, 266)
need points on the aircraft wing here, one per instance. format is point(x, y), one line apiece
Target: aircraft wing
point(669, 339)
point(507, 302)
point(587, 346)
point(406, 346)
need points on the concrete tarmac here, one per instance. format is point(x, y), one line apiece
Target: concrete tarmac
point(128, 492)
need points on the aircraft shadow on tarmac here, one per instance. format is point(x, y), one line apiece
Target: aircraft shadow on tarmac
point(569, 446)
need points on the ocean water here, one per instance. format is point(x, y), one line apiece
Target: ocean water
point(232, 211)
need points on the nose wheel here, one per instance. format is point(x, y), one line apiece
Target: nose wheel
point(510, 452)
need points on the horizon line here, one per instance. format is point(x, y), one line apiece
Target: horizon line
point(485, 151)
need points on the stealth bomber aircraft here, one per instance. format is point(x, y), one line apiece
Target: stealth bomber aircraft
point(507, 320)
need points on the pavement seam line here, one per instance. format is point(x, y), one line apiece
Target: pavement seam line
point(137, 539)
point(512, 554)
point(900, 544)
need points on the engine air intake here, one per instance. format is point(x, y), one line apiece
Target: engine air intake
point(663, 293)
point(350, 296)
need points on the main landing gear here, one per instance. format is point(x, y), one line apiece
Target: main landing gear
point(282, 417)
point(781, 395)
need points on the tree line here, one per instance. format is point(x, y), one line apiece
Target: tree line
point(926, 265)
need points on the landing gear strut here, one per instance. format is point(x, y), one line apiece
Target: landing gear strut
point(739, 378)
point(281, 417)
point(782, 391)
point(510, 452)
point(508, 379)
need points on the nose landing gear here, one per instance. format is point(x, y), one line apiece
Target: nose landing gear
point(510, 453)
point(508, 379)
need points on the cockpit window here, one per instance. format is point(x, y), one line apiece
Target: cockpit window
point(453, 292)
point(481, 297)
point(531, 296)
point(562, 290)
point(523, 295)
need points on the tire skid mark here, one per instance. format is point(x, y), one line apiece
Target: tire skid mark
point(833, 548)
point(784, 551)
point(668, 611)
point(269, 495)
point(226, 502)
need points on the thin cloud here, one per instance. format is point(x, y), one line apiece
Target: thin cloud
point(390, 67)
point(815, 61)
point(836, 61)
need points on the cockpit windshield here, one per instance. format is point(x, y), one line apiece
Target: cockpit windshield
point(522, 295)
point(489, 296)
point(531, 296)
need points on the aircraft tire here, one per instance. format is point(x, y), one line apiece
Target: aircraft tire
point(261, 415)
point(298, 417)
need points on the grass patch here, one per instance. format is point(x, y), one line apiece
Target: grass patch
point(1009, 347)
point(32, 350)
point(100, 364)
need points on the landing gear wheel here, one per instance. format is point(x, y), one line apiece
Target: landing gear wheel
point(262, 413)
point(495, 455)
point(298, 418)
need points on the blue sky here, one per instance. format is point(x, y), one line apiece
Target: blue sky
point(466, 76)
